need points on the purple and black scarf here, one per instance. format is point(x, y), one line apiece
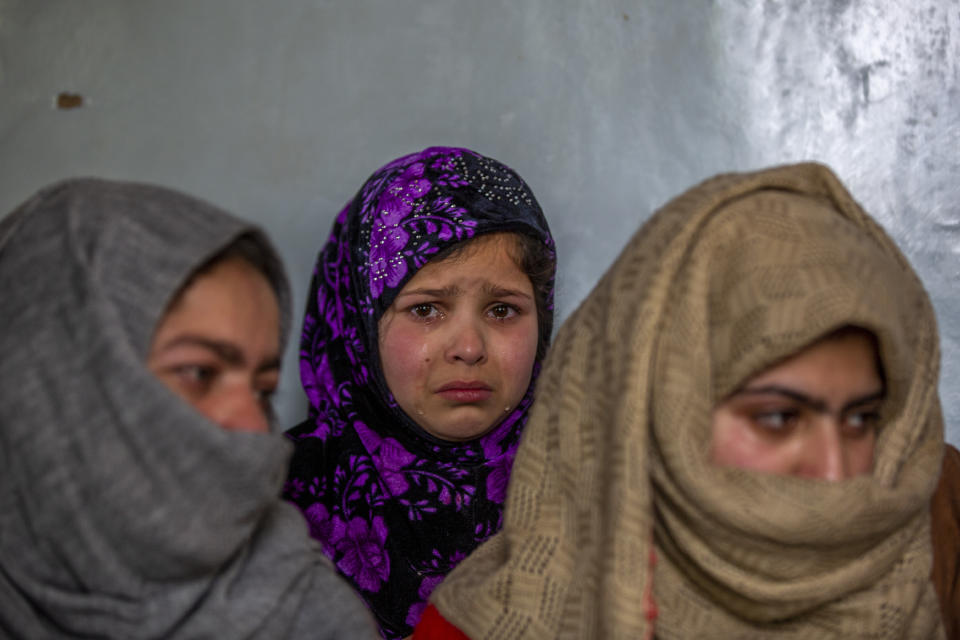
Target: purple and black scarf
point(395, 507)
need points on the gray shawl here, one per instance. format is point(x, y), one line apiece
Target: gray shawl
point(124, 513)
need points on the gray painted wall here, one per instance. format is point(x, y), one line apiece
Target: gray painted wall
point(279, 110)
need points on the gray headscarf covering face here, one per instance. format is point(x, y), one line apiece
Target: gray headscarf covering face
point(124, 513)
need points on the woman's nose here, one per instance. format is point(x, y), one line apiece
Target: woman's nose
point(823, 454)
point(238, 409)
point(466, 342)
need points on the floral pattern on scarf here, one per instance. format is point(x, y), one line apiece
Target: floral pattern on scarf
point(394, 507)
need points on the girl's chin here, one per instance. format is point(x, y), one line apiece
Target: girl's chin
point(458, 429)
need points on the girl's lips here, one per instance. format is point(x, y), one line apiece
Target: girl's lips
point(465, 392)
point(466, 396)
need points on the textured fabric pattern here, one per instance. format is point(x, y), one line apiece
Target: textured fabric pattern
point(395, 507)
point(725, 280)
point(124, 513)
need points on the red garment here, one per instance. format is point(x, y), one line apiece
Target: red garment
point(433, 626)
point(945, 525)
point(945, 530)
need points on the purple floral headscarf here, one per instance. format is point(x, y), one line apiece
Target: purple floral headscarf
point(395, 507)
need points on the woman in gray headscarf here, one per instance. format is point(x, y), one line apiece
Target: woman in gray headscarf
point(126, 512)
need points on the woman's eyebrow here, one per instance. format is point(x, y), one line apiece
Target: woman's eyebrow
point(226, 351)
point(270, 364)
point(816, 404)
point(867, 399)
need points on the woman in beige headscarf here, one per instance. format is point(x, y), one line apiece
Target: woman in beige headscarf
point(630, 513)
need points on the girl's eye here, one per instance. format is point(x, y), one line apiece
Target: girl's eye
point(779, 420)
point(502, 311)
point(425, 311)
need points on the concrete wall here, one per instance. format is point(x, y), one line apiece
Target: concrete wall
point(279, 110)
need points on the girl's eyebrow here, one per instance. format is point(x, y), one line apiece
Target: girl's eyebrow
point(496, 291)
point(444, 292)
point(488, 288)
point(817, 404)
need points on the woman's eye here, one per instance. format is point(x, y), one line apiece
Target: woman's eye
point(502, 311)
point(196, 376)
point(861, 422)
point(776, 420)
point(265, 399)
point(264, 395)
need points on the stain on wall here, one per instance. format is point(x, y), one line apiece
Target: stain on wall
point(66, 100)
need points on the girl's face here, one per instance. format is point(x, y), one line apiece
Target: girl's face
point(813, 415)
point(458, 343)
point(218, 346)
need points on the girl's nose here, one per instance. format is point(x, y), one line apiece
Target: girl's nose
point(238, 409)
point(822, 455)
point(467, 343)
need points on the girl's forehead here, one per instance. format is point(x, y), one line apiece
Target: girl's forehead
point(488, 259)
point(490, 246)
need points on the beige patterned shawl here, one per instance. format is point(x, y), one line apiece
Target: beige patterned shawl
point(725, 280)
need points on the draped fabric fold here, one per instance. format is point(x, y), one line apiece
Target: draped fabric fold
point(124, 513)
point(618, 526)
